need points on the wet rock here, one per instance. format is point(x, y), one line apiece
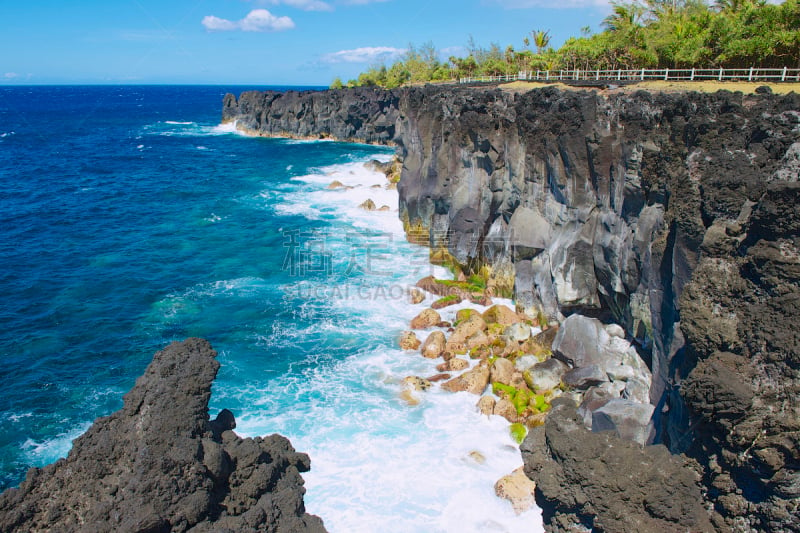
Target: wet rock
point(506, 409)
point(473, 381)
point(518, 489)
point(368, 205)
point(433, 346)
point(454, 364)
point(426, 319)
point(463, 331)
point(486, 405)
point(500, 314)
point(477, 456)
point(415, 296)
point(502, 371)
point(409, 341)
point(159, 464)
point(438, 377)
point(416, 383)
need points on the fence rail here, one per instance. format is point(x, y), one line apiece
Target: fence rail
point(719, 74)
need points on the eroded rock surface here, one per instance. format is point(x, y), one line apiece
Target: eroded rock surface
point(608, 484)
point(160, 465)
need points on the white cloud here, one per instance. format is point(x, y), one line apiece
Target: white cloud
point(10, 75)
point(522, 4)
point(367, 54)
point(256, 20)
point(305, 5)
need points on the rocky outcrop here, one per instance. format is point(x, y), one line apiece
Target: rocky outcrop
point(159, 464)
point(362, 114)
point(674, 215)
point(605, 483)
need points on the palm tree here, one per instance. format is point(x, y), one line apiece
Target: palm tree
point(541, 40)
point(624, 17)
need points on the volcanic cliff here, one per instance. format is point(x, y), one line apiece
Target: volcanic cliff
point(160, 464)
point(674, 215)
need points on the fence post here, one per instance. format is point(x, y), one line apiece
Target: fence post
point(750, 76)
point(642, 75)
point(692, 76)
point(720, 74)
point(783, 76)
point(597, 74)
point(666, 74)
point(619, 74)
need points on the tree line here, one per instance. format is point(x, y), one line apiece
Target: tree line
point(641, 34)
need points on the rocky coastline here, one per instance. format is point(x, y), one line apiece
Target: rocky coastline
point(160, 464)
point(658, 231)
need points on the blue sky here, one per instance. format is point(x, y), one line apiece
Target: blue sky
point(264, 42)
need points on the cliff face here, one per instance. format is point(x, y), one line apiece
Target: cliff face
point(159, 465)
point(674, 215)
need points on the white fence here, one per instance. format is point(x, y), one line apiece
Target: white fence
point(719, 74)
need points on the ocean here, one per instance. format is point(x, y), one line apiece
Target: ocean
point(131, 218)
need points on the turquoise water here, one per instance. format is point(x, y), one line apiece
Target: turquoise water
point(130, 219)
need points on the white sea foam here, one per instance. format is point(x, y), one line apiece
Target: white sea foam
point(376, 459)
point(359, 184)
point(175, 128)
point(50, 450)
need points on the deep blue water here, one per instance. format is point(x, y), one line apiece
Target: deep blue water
point(129, 218)
point(109, 209)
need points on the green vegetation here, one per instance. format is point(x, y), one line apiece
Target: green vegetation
point(518, 432)
point(522, 399)
point(444, 301)
point(639, 34)
point(471, 285)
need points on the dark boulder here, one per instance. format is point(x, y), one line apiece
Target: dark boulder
point(607, 484)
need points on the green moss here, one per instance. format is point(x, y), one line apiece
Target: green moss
point(477, 281)
point(499, 388)
point(462, 285)
point(518, 432)
point(463, 315)
point(449, 298)
point(539, 403)
point(496, 329)
point(521, 400)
